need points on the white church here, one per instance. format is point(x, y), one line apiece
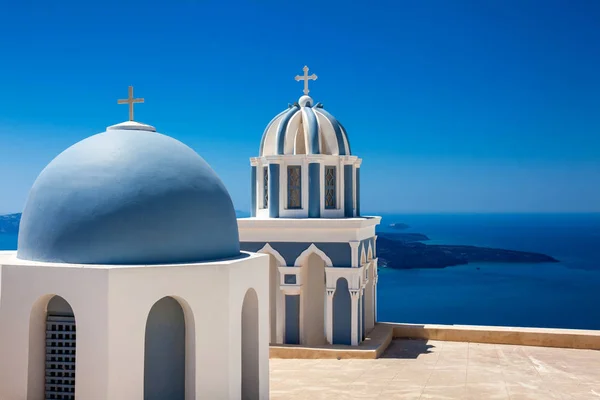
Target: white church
point(306, 216)
point(134, 280)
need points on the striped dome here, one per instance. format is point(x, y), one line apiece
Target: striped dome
point(305, 129)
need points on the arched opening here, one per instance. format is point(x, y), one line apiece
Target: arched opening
point(369, 314)
point(165, 351)
point(250, 362)
point(52, 349)
point(342, 313)
point(313, 301)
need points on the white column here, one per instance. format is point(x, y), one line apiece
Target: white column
point(329, 316)
point(361, 298)
point(375, 279)
point(354, 293)
point(354, 252)
point(375, 246)
point(280, 318)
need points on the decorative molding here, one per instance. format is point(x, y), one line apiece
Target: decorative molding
point(308, 230)
point(370, 252)
point(291, 289)
point(363, 256)
point(352, 275)
point(267, 249)
point(310, 250)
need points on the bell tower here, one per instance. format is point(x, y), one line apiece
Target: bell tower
point(306, 215)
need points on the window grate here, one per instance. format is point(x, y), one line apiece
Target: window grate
point(61, 338)
point(330, 184)
point(294, 187)
point(265, 187)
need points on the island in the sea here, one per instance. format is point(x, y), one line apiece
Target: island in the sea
point(406, 251)
point(399, 250)
point(399, 226)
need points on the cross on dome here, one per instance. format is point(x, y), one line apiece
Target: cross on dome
point(131, 101)
point(306, 78)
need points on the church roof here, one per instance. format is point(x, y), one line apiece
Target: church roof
point(305, 128)
point(129, 195)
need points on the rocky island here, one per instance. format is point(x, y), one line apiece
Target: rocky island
point(399, 226)
point(406, 251)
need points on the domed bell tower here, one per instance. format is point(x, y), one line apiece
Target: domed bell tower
point(305, 213)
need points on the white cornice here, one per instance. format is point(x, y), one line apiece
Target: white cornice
point(306, 229)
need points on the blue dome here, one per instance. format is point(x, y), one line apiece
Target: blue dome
point(128, 196)
point(305, 128)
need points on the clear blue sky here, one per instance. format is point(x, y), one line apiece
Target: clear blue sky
point(481, 106)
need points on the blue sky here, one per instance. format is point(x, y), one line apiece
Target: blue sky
point(455, 106)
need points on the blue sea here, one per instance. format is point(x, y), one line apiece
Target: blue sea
point(557, 295)
point(554, 295)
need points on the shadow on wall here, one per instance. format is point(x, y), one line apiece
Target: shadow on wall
point(407, 348)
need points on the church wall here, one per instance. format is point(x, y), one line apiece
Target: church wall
point(212, 297)
point(242, 277)
point(348, 192)
point(25, 296)
point(274, 190)
point(357, 192)
point(339, 253)
point(314, 190)
point(363, 323)
point(313, 301)
point(111, 306)
point(253, 197)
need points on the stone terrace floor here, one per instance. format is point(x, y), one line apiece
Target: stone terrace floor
point(420, 369)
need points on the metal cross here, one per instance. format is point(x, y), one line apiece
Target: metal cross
point(131, 101)
point(306, 78)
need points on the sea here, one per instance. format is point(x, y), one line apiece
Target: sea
point(552, 295)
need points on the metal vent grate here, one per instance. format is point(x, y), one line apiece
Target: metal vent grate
point(61, 337)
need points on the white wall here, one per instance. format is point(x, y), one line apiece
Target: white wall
point(111, 306)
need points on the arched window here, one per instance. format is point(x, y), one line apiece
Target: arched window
point(61, 337)
point(164, 351)
point(250, 347)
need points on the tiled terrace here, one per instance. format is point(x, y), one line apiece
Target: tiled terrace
point(421, 369)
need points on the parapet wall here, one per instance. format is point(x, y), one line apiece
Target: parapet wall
point(544, 337)
point(380, 337)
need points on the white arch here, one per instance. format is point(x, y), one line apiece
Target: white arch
point(363, 256)
point(267, 249)
point(370, 252)
point(310, 250)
